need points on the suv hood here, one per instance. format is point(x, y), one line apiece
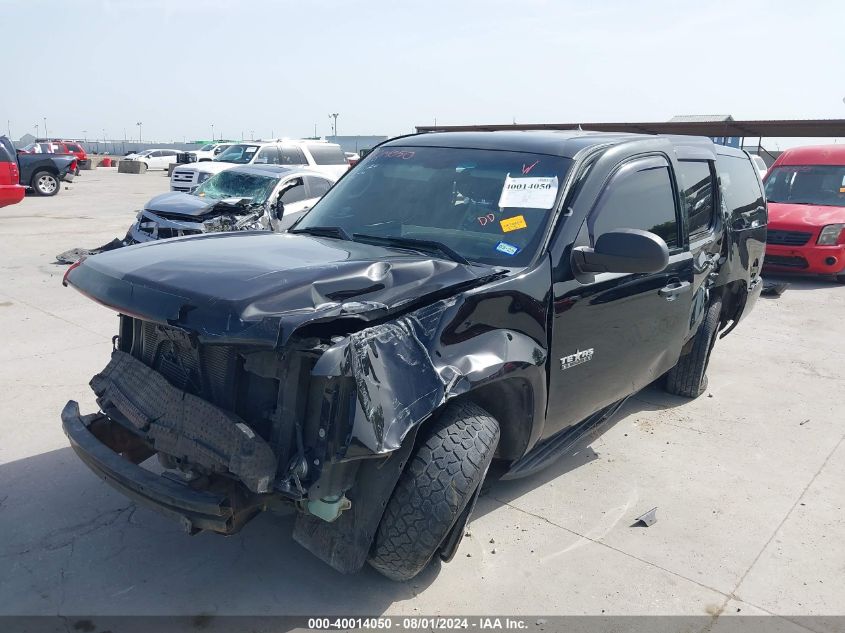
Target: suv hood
point(209, 166)
point(189, 205)
point(786, 215)
point(258, 287)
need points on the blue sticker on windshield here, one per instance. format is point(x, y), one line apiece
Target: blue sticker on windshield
point(507, 249)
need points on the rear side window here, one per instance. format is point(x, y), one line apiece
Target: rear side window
point(328, 155)
point(317, 186)
point(267, 156)
point(741, 194)
point(73, 147)
point(292, 156)
point(7, 150)
point(638, 196)
point(697, 181)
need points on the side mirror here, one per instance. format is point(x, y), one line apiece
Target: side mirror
point(623, 251)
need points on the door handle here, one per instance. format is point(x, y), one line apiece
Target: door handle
point(671, 291)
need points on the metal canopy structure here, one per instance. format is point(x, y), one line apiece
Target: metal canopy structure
point(783, 128)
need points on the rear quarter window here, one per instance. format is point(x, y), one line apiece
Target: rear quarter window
point(292, 156)
point(7, 151)
point(328, 155)
point(742, 197)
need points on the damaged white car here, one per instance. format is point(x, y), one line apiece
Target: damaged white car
point(252, 197)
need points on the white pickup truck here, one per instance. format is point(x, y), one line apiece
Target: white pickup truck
point(319, 156)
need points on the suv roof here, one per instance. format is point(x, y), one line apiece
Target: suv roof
point(566, 143)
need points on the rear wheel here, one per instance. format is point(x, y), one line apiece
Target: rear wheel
point(436, 491)
point(689, 378)
point(45, 184)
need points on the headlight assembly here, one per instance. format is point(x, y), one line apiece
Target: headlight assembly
point(830, 234)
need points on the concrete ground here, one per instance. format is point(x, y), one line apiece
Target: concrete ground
point(748, 479)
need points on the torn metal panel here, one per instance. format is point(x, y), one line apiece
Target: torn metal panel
point(182, 425)
point(403, 372)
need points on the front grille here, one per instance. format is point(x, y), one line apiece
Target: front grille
point(207, 371)
point(785, 261)
point(788, 238)
point(184, 176)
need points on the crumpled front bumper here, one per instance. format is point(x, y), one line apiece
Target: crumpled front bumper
point(149, 227)
point(224, 511)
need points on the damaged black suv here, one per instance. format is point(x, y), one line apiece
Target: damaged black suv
point(456, 298)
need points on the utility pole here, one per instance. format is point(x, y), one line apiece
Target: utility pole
point(334, 116)
point(139, 124)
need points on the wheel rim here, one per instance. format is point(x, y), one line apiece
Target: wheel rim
point(47, 184)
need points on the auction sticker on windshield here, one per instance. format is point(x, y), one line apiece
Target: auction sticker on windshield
point(533, 193)
point(513, 224)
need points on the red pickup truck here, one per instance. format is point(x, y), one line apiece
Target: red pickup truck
point(10, 191)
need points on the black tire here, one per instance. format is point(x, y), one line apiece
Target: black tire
point(44, 183)
point(840, 279)
point(441, 478)
point(689, 378)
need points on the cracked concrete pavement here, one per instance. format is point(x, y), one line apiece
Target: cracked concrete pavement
point(747, 479)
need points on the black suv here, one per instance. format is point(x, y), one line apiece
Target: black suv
point(456, 298)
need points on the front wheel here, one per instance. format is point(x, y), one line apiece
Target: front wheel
point(689, 378)
point(437, 486)
point(45, 184)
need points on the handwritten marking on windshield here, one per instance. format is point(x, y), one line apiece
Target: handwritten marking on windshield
point(527, 168)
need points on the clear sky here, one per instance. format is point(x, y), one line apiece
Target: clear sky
point(282, 66)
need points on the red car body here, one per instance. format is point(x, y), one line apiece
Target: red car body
point(805, 188)
point(76, 148)
point(10, 191)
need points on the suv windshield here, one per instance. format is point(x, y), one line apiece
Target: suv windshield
point(207, 147)
point(488, 206)
point(234, 184)
point(807, 184)
point(240, 154)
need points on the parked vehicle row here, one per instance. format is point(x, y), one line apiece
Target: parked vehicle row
point(319, 156)
point(454, 299)
point(42, 172)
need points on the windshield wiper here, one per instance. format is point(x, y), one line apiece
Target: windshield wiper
point(427, 246)
point(324, 231)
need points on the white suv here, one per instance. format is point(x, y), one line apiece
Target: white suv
point(209, 151)
point(319, 156)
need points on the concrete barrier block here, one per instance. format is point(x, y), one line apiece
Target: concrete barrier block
point(86, 164)
point(171, 167)
point(131, 167)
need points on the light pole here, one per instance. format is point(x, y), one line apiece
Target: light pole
point(45, 126)
point(252, 135)
point(334, 122)
point(9, 128)
point(85, 136)
point(139, 124)
point(212, 132)
point(36, 130)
